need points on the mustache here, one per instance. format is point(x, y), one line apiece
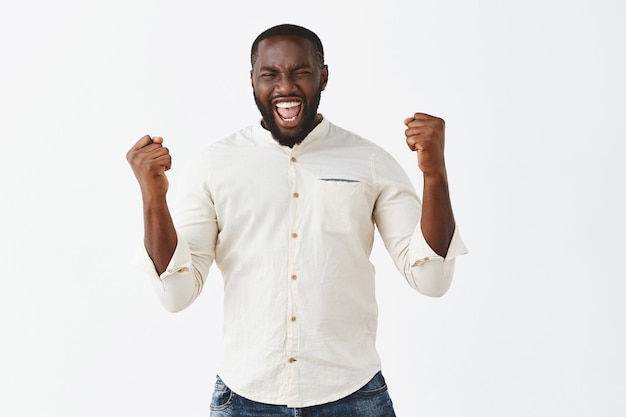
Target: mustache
point(292, 96)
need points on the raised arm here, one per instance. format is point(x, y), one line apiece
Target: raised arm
point(149, 160)
point(425, 135)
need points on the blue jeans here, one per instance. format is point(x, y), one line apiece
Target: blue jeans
point(372, 400)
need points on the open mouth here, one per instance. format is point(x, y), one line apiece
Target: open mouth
point(288, 111)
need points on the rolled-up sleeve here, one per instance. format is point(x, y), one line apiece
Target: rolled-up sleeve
point(397, 215)
point(430, 273)
point(176, 287)
point(196, 228)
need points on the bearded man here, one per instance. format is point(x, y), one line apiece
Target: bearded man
point(287, 208)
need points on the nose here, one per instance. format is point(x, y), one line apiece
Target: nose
point(285, 83)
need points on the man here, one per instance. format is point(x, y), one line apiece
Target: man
point(287, 208)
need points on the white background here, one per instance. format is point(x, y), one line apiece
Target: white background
point(533, 95)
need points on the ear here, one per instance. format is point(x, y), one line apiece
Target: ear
point(251, 79)
point(324, 77)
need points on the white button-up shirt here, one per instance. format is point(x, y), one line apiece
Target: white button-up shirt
point(291, 230)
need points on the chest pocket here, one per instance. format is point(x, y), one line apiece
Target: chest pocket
point(341, 204)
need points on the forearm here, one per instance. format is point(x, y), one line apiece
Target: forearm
point(159, 233)
point(437, 218)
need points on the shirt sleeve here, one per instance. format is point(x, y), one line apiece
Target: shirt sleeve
point(428, 272)
point(196, 228)
point(397, 214)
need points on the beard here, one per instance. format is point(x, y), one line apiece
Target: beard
point(309, 120)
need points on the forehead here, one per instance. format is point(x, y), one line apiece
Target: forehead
point(284, 51)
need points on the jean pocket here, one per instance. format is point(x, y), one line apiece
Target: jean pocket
point(376, 385)
point(222, 396)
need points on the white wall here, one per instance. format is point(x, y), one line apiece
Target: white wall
point(533, 94)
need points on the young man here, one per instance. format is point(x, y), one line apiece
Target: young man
point(287, 208)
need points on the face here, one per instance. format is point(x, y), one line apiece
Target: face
point(287, 82)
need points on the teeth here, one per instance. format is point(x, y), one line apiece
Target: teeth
point(287, 104)
point(291, 119)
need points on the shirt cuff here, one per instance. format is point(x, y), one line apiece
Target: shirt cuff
point(420, 251)
point(179, 263)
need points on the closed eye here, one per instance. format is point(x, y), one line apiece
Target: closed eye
point(302, 74)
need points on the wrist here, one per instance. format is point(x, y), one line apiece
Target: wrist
point(153, 199)
point(436, 177)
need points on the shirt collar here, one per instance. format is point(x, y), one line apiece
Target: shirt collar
point(318, 132)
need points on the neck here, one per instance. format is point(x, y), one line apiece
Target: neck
point(292, 141)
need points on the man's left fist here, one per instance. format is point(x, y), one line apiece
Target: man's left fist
point(425, 134)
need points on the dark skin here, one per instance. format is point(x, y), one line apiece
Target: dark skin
point(425, 135)
point(149, 160)
point(286, 73)
point(287, 80)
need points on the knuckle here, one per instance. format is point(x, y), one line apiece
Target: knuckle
point(131, 156)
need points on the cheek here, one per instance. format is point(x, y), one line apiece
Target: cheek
point(261, 91)
point(311, 89)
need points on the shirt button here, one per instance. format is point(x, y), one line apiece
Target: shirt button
point(293, 318)
point(291, 360)
point(294, 277)
point(293, 159)
point(294, 235)
point(296, 195)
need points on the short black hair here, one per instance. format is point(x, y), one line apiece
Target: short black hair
point(289, 30)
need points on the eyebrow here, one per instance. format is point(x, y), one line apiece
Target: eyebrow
point(274, 69)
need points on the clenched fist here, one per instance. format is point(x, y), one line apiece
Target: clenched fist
point(149, 160)
point(425, 134)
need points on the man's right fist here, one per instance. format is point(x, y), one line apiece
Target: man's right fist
point(149, 160)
